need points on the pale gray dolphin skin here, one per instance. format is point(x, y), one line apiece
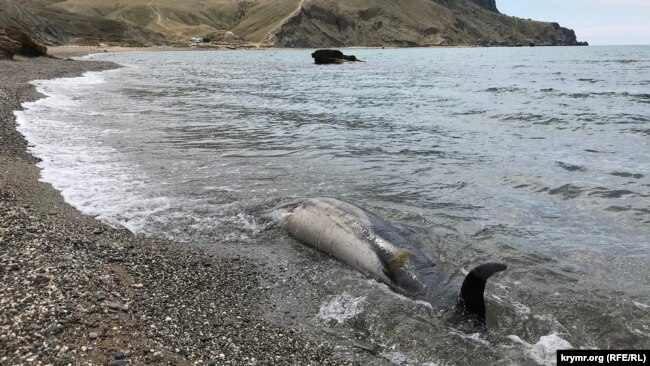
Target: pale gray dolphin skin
point(374, 247)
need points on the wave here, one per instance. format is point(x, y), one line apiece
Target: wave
point(91, 176)
point(570, 191)
point(505, 89)
point(571, 167)
point(627, 175)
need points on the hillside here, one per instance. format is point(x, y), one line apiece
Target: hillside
point(13, 14)
point(286, 23)
point(413, 23)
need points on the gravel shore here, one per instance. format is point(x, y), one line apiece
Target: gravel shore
point(76, 292)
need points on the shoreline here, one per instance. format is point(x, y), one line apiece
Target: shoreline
point(70, 51)
point(77, 291)
point(74, 51)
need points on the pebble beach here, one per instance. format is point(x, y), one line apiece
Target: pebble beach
point(74, 291)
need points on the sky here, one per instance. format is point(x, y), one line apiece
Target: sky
point(599, 22)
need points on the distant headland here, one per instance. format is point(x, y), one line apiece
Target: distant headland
point(279, 23)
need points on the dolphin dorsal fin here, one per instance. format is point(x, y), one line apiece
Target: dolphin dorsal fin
point(471, 293)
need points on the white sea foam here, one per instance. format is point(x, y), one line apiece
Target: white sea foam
point(91, 176)
point(399, 358)
point(474, 337)
point(521, 310)
point(341, 308)
point(544, 351)
point(249, 224)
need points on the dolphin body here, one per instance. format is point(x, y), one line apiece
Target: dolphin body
point(374, 247)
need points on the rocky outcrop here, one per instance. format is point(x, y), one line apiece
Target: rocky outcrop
point(328, 23)
point(13, 41)
point(8, 47)
point(12, 14)
point(53, 26)
point(490, 5)
point(327, 57)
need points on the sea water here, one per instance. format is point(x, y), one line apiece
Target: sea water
point(538, 158)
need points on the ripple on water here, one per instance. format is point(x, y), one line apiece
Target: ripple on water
point(571, 167)
point(565, 192)
point(341, 308)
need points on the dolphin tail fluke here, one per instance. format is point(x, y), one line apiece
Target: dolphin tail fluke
point(471, 293)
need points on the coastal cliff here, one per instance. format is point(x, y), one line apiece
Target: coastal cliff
point(12, 14)
point(413, 23)
point(56, 26)
point(280, 23)
point(490, 5)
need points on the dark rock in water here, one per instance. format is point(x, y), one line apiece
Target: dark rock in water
point(324, 57)
point(15, 42)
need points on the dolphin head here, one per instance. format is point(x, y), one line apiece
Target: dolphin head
point(279, 214)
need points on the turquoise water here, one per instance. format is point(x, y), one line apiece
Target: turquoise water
point(535, 157)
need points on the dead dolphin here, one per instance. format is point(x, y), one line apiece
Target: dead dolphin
point(374, 247)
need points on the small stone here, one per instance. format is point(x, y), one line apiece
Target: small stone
point(119, 355)
point(168, 319)
point(137, 285)
point(113, 305)
point(117, 362)
point(93, 335)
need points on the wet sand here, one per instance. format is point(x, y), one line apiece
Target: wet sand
point(75, 291)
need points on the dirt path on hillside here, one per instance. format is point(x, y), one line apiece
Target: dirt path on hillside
point(273, 31)
point(157, 13)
